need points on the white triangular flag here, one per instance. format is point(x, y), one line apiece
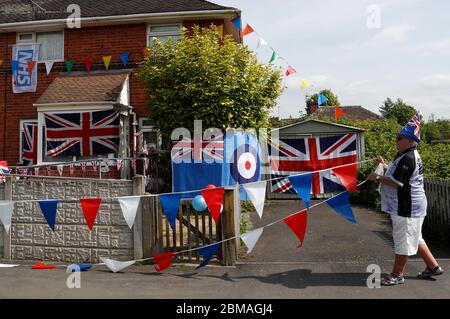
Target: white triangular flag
point(257, 194)
point(129, 206)
point(49, 66)
point(60, 169)
point(251, 238)
point(6, 210)
point(116, 266)
point(261, 42)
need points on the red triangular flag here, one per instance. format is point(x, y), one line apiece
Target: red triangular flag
point(297, 223)
point(290, 70)
point(31, 65)
point(214, 198)
point(40, 265)
point(338, 113)
point(248, 29)
point(88, 63)
point(347, 175)
point(90, 207)
point(163, 261)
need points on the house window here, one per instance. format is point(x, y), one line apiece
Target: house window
point(149, 136)
point(51, 44)
point(164, 32)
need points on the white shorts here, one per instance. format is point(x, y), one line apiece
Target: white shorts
point(407, 234)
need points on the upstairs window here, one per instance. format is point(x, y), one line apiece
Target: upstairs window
point(51, 44)
point(164, 32)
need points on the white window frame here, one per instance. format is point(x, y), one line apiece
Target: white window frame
point(151, 35)
point(33, 41)
point(147, 129)
point(21, 133)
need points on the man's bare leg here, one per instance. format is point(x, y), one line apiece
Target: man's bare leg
point(427, 256)
point(399, 264)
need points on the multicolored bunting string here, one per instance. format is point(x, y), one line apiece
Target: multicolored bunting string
point(207, 253)
point(251, 238)
point(90, 207)
point(69, 65)
point(347, 175)
point(6, 210)
point(107, 61)
point(341, 204)
point(163, 261)
point(129, 206)
point(257, 194)
point(88, 63)
point(124, 58)
point(116, 266)
point(338, 113)
point(297, 223)
point(49, 210)
point(214, 198)
point(302, 186)
point(170, 204)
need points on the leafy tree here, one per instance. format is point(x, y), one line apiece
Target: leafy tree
point(333, 100)
point(203, 77)
point(436, 131)
point(398, 110)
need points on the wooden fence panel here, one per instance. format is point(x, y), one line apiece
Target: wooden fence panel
point(437, 222)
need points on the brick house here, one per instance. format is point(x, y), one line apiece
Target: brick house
point(108, 28)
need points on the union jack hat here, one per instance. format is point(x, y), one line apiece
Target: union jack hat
point(412, 128)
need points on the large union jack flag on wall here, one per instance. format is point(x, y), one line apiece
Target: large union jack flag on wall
point(294, 156)
point(29, 143)
point(82, 134)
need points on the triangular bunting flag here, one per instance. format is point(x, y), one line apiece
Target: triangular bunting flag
point(341, 204)
point(119, 164)
point(107, 61)
point(41, 265)
point(274, 57)
point(31, 65)
point(261, 43)
point(304, 84)
point(14, 66)
point(290, 70)
point(297, 223)
point(94, 165)
point(6, 210)
point(302, 186)
point(83, 167)
point(80, 267)
point(237, 23)
point(251, 238)
point(71, 168)
point(207, 253)
point(90, 207)
point(49, 66)
point(49, 209)
point(129, 206)
point(49, 170)
point(88, 63)
point(163, 261)
point(322, 99)
point(116, 266)
point(133, 165)
point(60, 169)
point(170, 204)
point(338, 113)
point(214, 198)
point(69, 65)
point(257, 194)
point(347, 175)
point(36, 171)
point(247, 30)
point(124, 58)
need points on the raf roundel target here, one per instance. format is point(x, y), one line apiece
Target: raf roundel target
point(246, 165)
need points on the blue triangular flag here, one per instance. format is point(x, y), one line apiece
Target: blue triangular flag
point(124, 58)
point(48, 209)
point(237, 23)
point(322, 99)
point(341, 204)
point(302, 185)
point(14, 66)
point(207, 253)
point(170, 204)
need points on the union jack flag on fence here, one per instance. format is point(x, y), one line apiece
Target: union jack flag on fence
point(82, 134)
point(29, 143)
point(294, 156)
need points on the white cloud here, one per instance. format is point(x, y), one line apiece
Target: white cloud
point(436, 81)
point(394, 33)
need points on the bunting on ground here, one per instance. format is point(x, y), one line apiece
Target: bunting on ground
point(41, 265)
point(251, 238)
point(257, 194)
point(347, 175)
point(214, 198)
point(341, 204)
point(49, 209)
point(163, 261)
point(170, 204)
point(107, 61)
point(207, 253)
point(116, 266)
point(90, 207)
point(6, 210)
point(79, 267)
point(49, 66)
point(297, 223)
point(302, 186)
point(129, 206)
point(247, 30)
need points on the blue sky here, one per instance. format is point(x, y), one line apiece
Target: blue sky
point(329, 43)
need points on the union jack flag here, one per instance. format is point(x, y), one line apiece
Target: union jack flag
point(187, 150)
point(415, 123)
point(82, 134)
point(294, 156)
point(29, 143)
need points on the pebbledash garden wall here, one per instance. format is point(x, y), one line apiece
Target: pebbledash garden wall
point(31, 238)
